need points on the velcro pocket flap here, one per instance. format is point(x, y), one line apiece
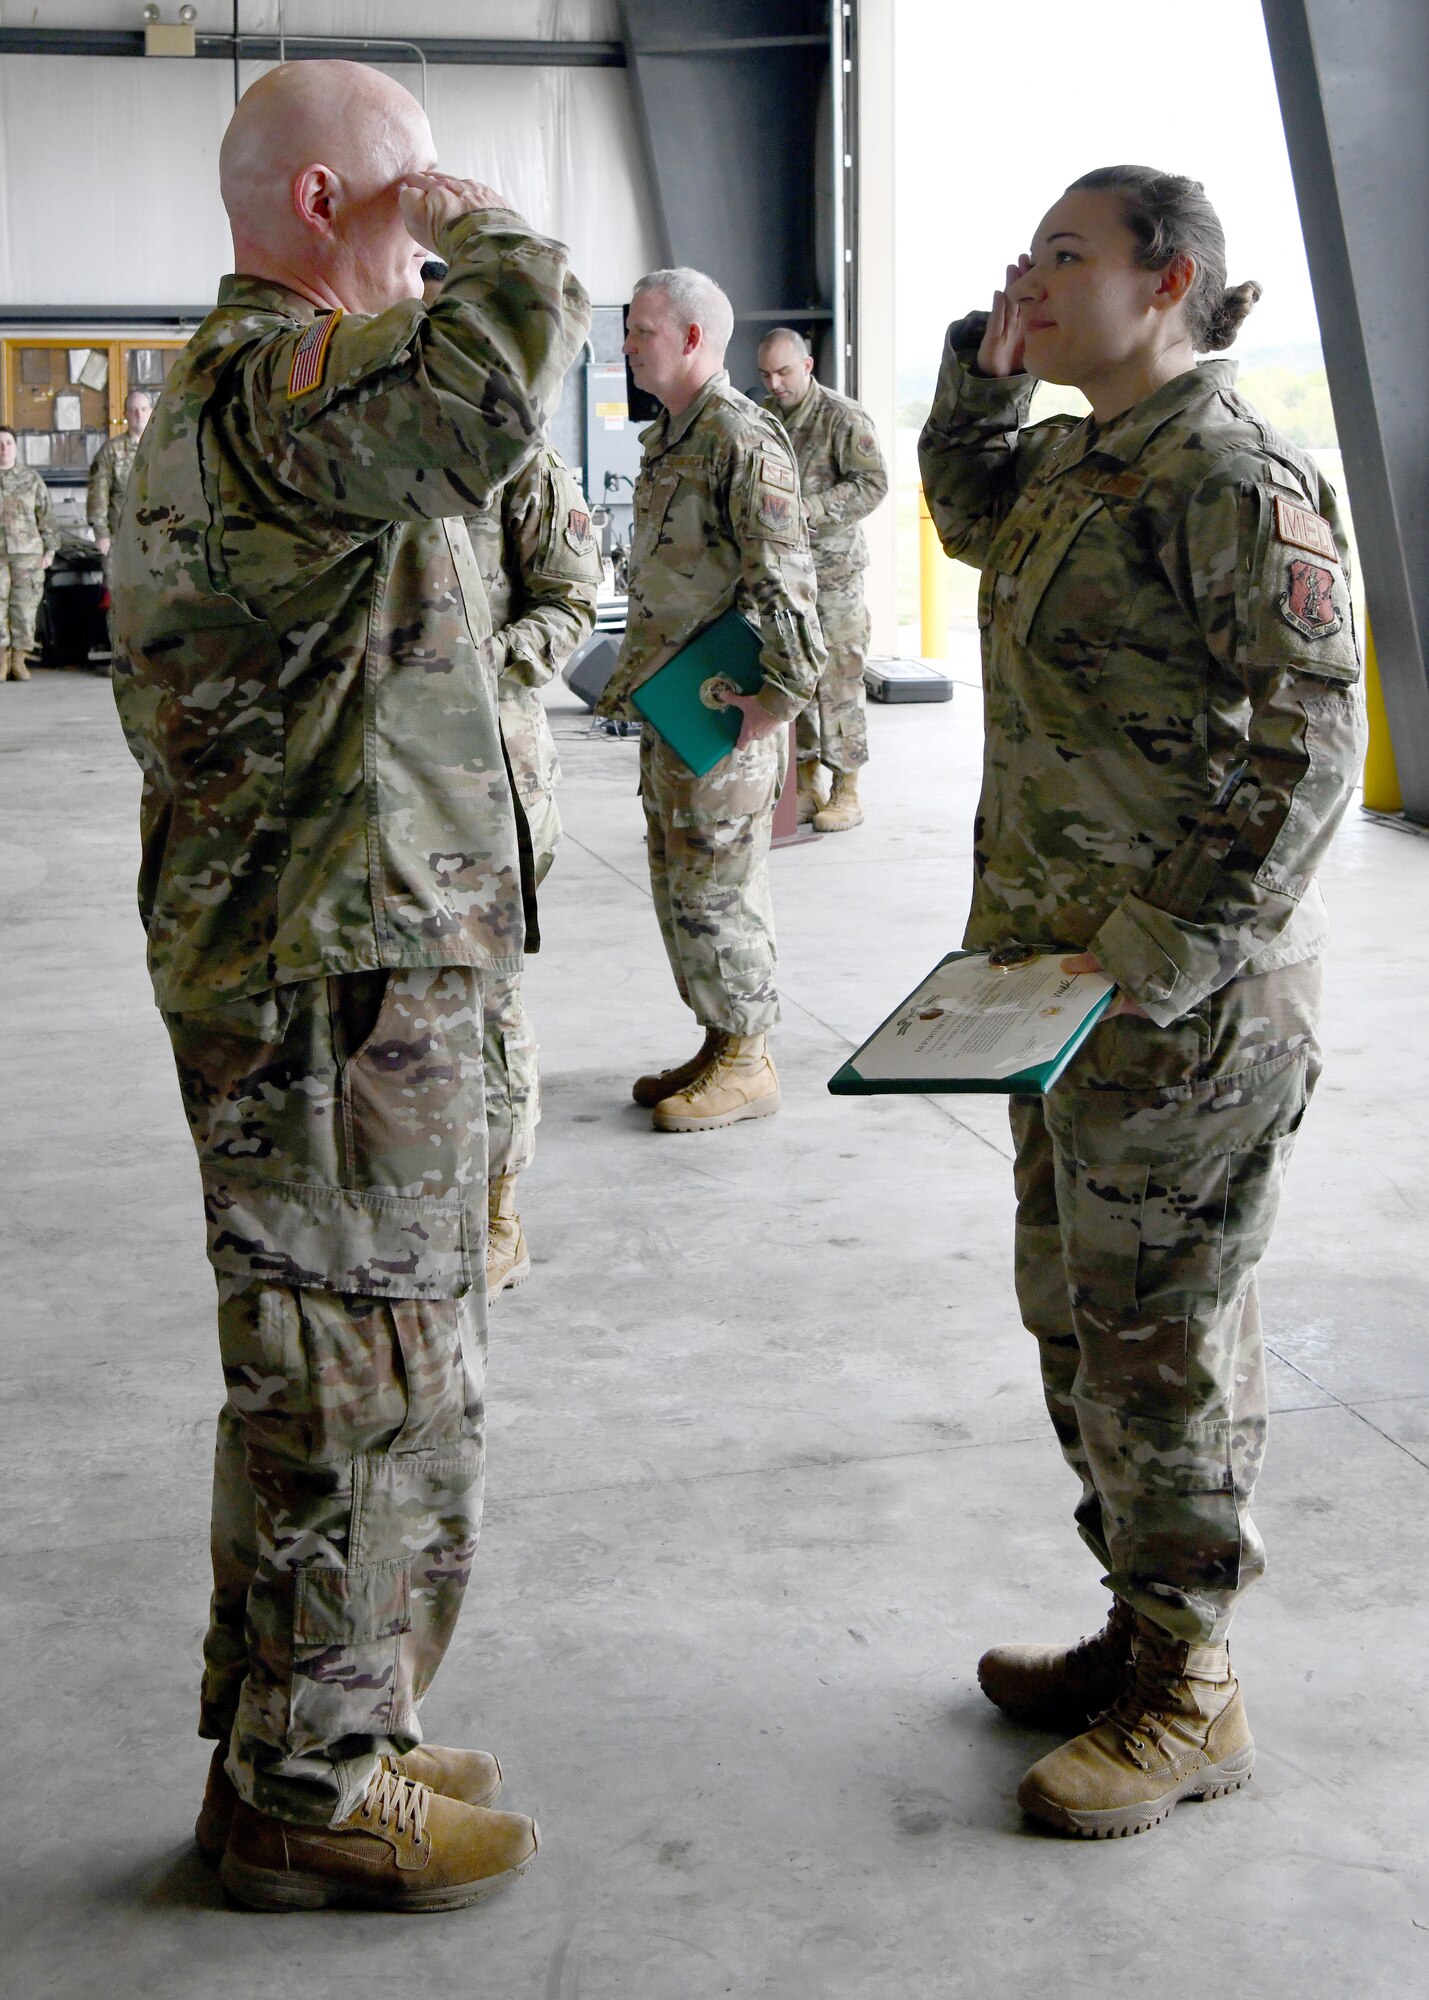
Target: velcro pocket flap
point(357, 1606)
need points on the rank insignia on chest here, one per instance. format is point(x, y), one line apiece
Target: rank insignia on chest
point(310, 355)
point(1303, 528)
point(578, 530)
point(1308, 600)
point(776, 472)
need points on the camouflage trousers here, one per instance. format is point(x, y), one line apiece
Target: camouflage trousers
point(513, 1081)
point(509, 1048)
point(834, 726)
point(708, 848)
point(1147, 1184)
point(341, 1136)
point(22, 585)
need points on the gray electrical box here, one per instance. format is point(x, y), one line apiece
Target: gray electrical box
point(612, 445)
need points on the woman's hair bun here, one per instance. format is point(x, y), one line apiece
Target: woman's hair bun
point(1226, 319)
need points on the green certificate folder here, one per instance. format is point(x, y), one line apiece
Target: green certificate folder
point(678, 702)
point(974, 1026)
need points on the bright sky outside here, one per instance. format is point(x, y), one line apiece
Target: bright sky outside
point(1000, 106)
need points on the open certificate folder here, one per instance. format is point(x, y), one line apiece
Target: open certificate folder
point(974, 1025)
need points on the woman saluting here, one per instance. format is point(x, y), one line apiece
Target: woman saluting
point(1173, 728)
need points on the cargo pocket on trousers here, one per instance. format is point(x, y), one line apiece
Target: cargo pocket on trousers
point(348, 1626)
point(1104, 1252)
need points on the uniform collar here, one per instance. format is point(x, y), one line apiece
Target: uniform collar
point(667, 430)
point(1127, 436)
point(260, 295)
point(796, 418)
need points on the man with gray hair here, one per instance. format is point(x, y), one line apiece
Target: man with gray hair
point(843, 478)
point(718, 523)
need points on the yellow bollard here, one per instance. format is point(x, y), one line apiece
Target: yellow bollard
point(932, 585)
point(1381, 775)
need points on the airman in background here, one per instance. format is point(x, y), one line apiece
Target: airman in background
point(29, 537)
point(331, 872)
point(539, 562)
point(110, 469)
point(842, 478)
point(718, 523)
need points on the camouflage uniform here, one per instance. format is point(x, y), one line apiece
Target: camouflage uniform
point(842, 478)
point(1173, 729)
point(109, 472)
point(717, 522)
point(330, 874)
point(28, 533)
point(108, 482)
point(540, 568)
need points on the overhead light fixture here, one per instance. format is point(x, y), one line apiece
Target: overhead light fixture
point(164, 39)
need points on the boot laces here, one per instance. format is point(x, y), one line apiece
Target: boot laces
point(390, 1796)
point(1139, 1711)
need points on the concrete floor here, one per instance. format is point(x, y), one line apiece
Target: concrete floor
point(768, 1470)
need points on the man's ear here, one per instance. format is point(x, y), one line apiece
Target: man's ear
point(317, 191)
point(693, 337)
point(1176, 280)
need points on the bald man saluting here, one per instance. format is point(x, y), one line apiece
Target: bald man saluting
point(331, 869)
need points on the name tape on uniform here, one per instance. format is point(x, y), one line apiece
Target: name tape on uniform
point(1302, 528)
point(1120, 485)
point(310, 355)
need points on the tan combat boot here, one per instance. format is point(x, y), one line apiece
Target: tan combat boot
point(4, 663)
point(739, 1081)
point(404, 1848)
point(472, 1776)
point(508, 1262)
point(649, 1090)
point(843, 809)
point(1177, 1731)
point(1061, 1687)
point(808, 798)
point(18, 670)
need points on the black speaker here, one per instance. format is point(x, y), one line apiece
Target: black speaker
point(589, 668)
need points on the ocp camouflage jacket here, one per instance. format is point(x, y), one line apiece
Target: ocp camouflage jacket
point(718, 522)
point(28, 529)
point(842, 477)
point(540, 567)
point(1173, 723)
point(304, 669)
point(108, 480)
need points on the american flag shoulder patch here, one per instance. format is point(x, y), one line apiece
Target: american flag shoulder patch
point(310, 355)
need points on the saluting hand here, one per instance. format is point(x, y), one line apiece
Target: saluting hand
point(430, 202)
point(1001, 349)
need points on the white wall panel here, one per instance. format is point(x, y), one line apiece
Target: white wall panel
point(109, 181)
point(109, 168)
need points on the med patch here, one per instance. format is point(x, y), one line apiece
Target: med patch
point(1303, 528)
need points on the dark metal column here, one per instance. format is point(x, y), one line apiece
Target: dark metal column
point(1352, 82)
point(736, 104)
